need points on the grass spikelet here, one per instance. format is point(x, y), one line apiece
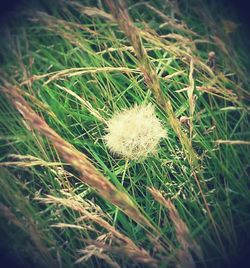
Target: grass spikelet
point(138, 255)
point(28, 161)
point(232, 142)
point(93, 250)
point(126, 245)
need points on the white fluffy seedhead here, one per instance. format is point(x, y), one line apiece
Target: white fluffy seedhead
point(135, 132)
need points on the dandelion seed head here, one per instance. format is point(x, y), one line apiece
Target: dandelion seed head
point(134, 133)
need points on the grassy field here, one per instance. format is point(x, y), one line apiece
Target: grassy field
point(67, 200)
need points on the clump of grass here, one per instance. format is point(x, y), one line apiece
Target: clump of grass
point(67, 69)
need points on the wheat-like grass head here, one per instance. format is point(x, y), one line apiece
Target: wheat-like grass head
point(134, 133)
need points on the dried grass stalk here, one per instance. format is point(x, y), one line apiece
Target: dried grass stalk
point(76, 72)
point(93, 250)
point(232, 142)
point(78, 160)
point(122, 17)
point(136, 254)
point(134, 35)
point(182, 232)
point(126, 245)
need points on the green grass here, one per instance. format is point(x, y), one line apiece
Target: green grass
point(65, 37)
